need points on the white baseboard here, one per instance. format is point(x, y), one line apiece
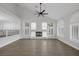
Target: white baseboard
point(7, 40)
point(69, 42)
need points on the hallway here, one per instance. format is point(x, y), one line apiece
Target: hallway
point(51, 47)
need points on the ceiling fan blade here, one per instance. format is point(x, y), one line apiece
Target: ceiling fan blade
point(45, 13)
point(41, 12)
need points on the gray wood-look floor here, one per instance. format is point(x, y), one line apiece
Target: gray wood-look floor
point(38, 48)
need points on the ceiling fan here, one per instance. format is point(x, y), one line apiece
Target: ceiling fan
point(41, 12)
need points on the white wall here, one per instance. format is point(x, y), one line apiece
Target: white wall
point(8, 21)
point(68, 20)
point(39, 21)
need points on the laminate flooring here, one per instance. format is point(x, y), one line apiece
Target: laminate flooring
point(38, 47)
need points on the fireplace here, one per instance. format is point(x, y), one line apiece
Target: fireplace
point(38, 34)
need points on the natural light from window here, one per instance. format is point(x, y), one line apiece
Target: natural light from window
point(44, 26)
point(33, 26)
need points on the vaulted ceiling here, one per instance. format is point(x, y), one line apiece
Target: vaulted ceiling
point(55, 10)
point(27, 10)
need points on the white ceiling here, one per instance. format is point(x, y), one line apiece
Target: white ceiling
point(55, 10)
point(27, 10)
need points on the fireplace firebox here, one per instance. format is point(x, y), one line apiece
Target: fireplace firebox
point(38, 34)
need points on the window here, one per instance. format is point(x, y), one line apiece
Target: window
point(33, 34)
point(2, 31)
point(44, 26)
point(60, 28)
point(33, 26)
point(51, 31)
point(9, 29)
point(44, 34)
point(27, 29)
point(75, 32)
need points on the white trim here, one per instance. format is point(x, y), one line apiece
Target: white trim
point(69, 42)
point(7, 40)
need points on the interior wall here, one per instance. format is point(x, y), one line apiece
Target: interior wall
point(75, 23)
point(8, 23)
point(66, 38)
point(39, 21)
